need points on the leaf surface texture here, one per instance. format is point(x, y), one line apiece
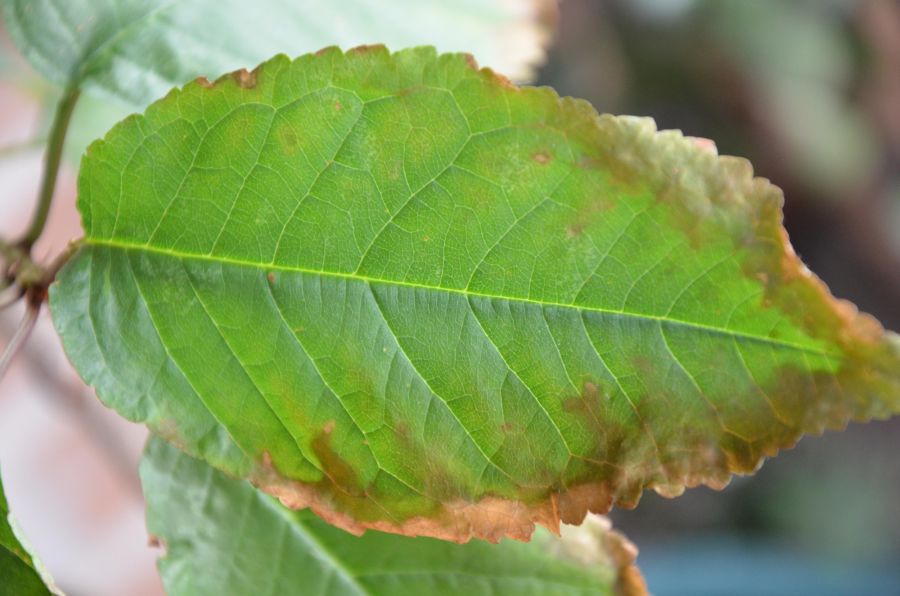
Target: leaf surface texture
point(405, 293)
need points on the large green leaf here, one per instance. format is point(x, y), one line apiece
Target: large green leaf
point(413, 297)
point(18, 576)
point(135, 50)
point(208, 522)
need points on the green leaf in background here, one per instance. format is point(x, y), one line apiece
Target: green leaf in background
point(18, 576)
point(413, 297)
point(207, 521)
point(92, 116)
point(135, 50)
point(803, 91)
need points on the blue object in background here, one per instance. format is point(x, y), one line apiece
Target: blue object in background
point(720, 566)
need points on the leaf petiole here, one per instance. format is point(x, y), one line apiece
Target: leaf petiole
point(20, 337)
point(51, 168)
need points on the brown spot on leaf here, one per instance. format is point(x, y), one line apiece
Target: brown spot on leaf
point(167, 428)
point(271, 277)
point(511, 428)
point(573, 404)
point(288, 138)
point(368, 49)
point(542, 157)
point(502, 80)
point(204, 82)
point(490, 518)
point(245, 79)
point(340, 474)
point(470, 61)
point(576, 502)
point(586, 215)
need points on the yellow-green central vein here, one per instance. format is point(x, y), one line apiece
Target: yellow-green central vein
point(775, 342)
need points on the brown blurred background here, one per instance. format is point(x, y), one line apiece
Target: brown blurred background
point(808, 90)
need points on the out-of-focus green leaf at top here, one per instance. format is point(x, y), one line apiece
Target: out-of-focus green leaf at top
point(414, 297)
point(18, 576)
point(222, 536)
point(135, 50)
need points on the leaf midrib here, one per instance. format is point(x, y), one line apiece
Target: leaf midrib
point(779, 343)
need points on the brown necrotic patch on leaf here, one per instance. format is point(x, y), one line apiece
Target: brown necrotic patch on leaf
point(499, 79)
point(154, 541)
point(542, 157)
point(749, 209)
point(341, 500)
point(375, 48)
point(244, 78)
point(342, 475)
point(489, 518)
point(721, 198)
point(575, 502)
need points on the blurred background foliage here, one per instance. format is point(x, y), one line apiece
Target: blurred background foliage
point(809, 91)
